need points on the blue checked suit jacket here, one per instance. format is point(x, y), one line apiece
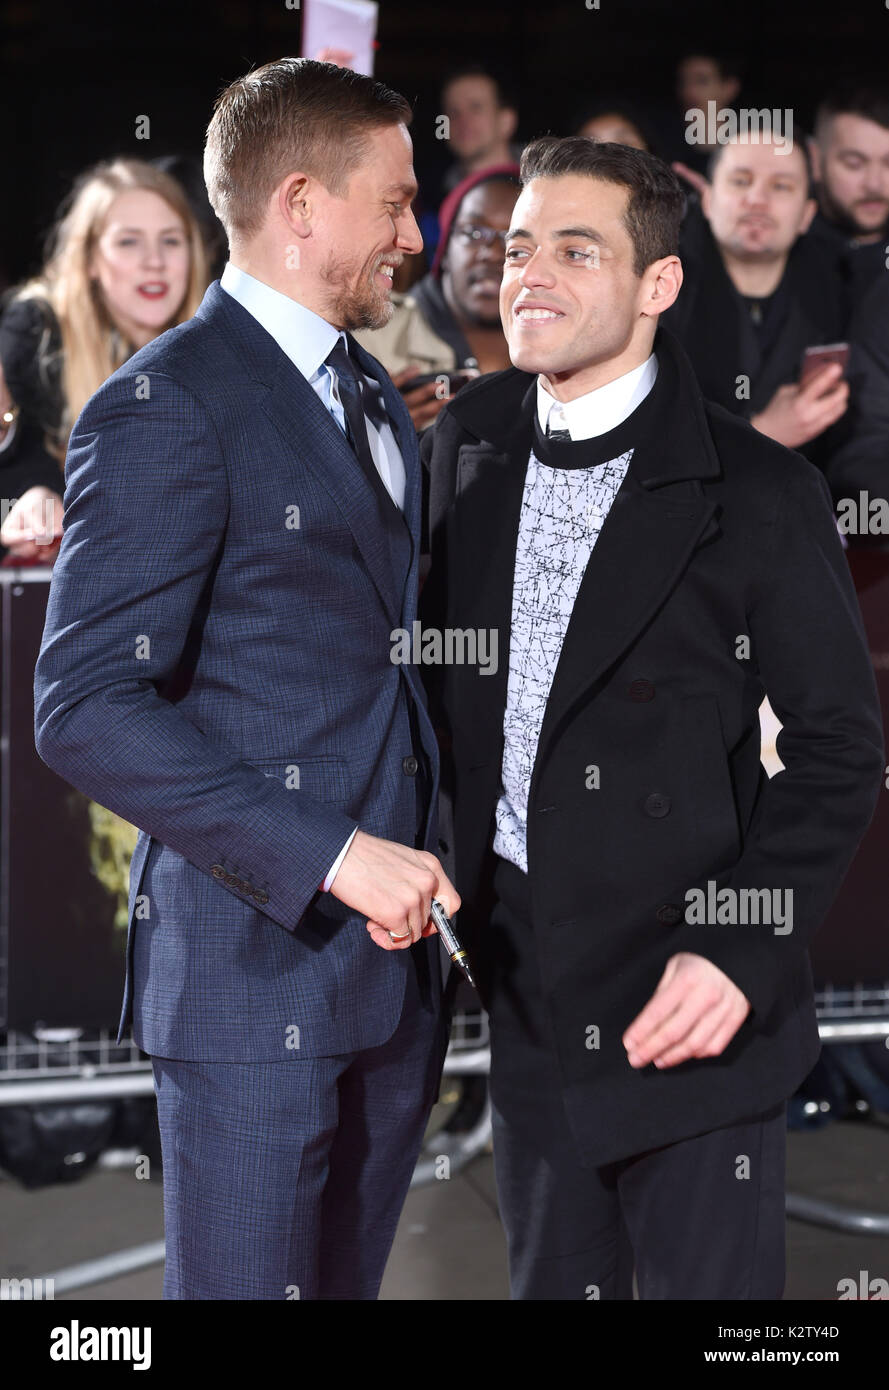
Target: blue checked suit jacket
point(221, 677)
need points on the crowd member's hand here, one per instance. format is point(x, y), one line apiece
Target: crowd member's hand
point(697, 181)
point(393, 887)
point(33, 527)
point(423, 403)
point(342, 57)
point(695, 1011)
point(796, 414)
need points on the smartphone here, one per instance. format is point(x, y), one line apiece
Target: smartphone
point(814, 358)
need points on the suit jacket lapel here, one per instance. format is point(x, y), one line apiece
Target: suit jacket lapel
point(309, 433)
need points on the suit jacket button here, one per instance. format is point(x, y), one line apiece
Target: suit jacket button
point(444, 846)
point(657, 804)
point(217, 871)
point(640, 691)
point(671, 913)
point(409, 765)
point(260, 896)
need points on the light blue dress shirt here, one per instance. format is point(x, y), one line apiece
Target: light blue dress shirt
point(308, 339)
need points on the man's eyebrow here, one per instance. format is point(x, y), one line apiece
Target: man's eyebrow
point(409, 190)
point(589, 233)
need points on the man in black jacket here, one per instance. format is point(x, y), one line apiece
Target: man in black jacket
point(758, 291)
point(638, 895)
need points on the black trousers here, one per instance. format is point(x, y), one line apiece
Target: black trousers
point(699, 1219)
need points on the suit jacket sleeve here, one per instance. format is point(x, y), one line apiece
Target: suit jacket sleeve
point(809, 641)
point(146, 508)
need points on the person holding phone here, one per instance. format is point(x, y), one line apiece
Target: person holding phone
point(758, 293)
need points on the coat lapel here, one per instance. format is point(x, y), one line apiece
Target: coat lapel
point(659, 517)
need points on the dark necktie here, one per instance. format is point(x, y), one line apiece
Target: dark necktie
point(556, 434)
point(355, 403)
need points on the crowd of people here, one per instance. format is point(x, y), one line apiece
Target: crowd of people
point(621, 509)
point(785, 245)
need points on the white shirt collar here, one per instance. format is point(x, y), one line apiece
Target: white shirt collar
point(599, 410)
point(305, 336)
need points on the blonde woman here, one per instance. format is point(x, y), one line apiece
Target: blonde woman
point(126, 262)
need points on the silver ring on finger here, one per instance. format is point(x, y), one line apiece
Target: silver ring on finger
point(403, 937)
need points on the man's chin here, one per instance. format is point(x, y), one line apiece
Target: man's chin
point(370, 315)
point(535, 359)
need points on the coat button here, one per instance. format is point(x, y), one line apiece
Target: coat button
point(409, 765)
point(671, 913)
point(444, 846)
point(640, 691)
point(217, 871)
point(260, 896)
point(657, 804)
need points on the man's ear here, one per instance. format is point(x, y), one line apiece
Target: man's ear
point(809, 210)
point(294, 201)
point(507, 120)
point(664, 281)
point(815, 155)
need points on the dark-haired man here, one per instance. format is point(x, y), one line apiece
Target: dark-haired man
point(482, 120)
point(637, 894)
point(850, 153)
point(758, 292)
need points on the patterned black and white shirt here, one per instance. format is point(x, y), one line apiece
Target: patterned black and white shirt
point(563, 510)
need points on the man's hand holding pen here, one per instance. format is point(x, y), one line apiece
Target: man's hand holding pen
point(393, 887)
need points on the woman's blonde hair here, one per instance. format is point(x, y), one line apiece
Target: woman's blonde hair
point(92, 345)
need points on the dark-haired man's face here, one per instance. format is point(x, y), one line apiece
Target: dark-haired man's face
point(699, 80)
point(571, 304)
point(364, 235)
point(477, 122)
point(472, 270)
point(854, 174)
point(758, 204)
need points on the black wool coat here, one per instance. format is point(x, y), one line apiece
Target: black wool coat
point(718, 577)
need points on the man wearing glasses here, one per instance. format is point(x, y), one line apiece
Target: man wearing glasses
point(447, 327)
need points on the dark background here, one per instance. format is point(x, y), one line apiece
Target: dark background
point(75, 77)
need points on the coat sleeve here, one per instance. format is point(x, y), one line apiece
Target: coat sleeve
point(809, 641)
point(146, 507)
point(861, 462)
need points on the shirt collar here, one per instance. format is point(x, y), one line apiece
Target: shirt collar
point(599, 410)
point(303, 335)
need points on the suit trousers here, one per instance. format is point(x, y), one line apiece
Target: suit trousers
point(699, 1219)
point(285, 1180)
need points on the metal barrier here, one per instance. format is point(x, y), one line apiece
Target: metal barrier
point(99, 1068)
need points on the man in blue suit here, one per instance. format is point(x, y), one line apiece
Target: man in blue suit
point(241, 538)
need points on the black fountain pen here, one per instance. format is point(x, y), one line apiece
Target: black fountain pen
point(452, 944)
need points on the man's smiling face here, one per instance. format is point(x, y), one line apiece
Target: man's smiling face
point(570, 297)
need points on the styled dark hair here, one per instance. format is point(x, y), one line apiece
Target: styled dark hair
point(871, 103)
point(291, 114)
point(656, 204)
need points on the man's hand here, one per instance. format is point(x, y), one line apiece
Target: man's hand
point(423, 404)
point(33, 527)
point(393, 887)
point(695, 1011)
point(796, 414)
point(698, 181)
